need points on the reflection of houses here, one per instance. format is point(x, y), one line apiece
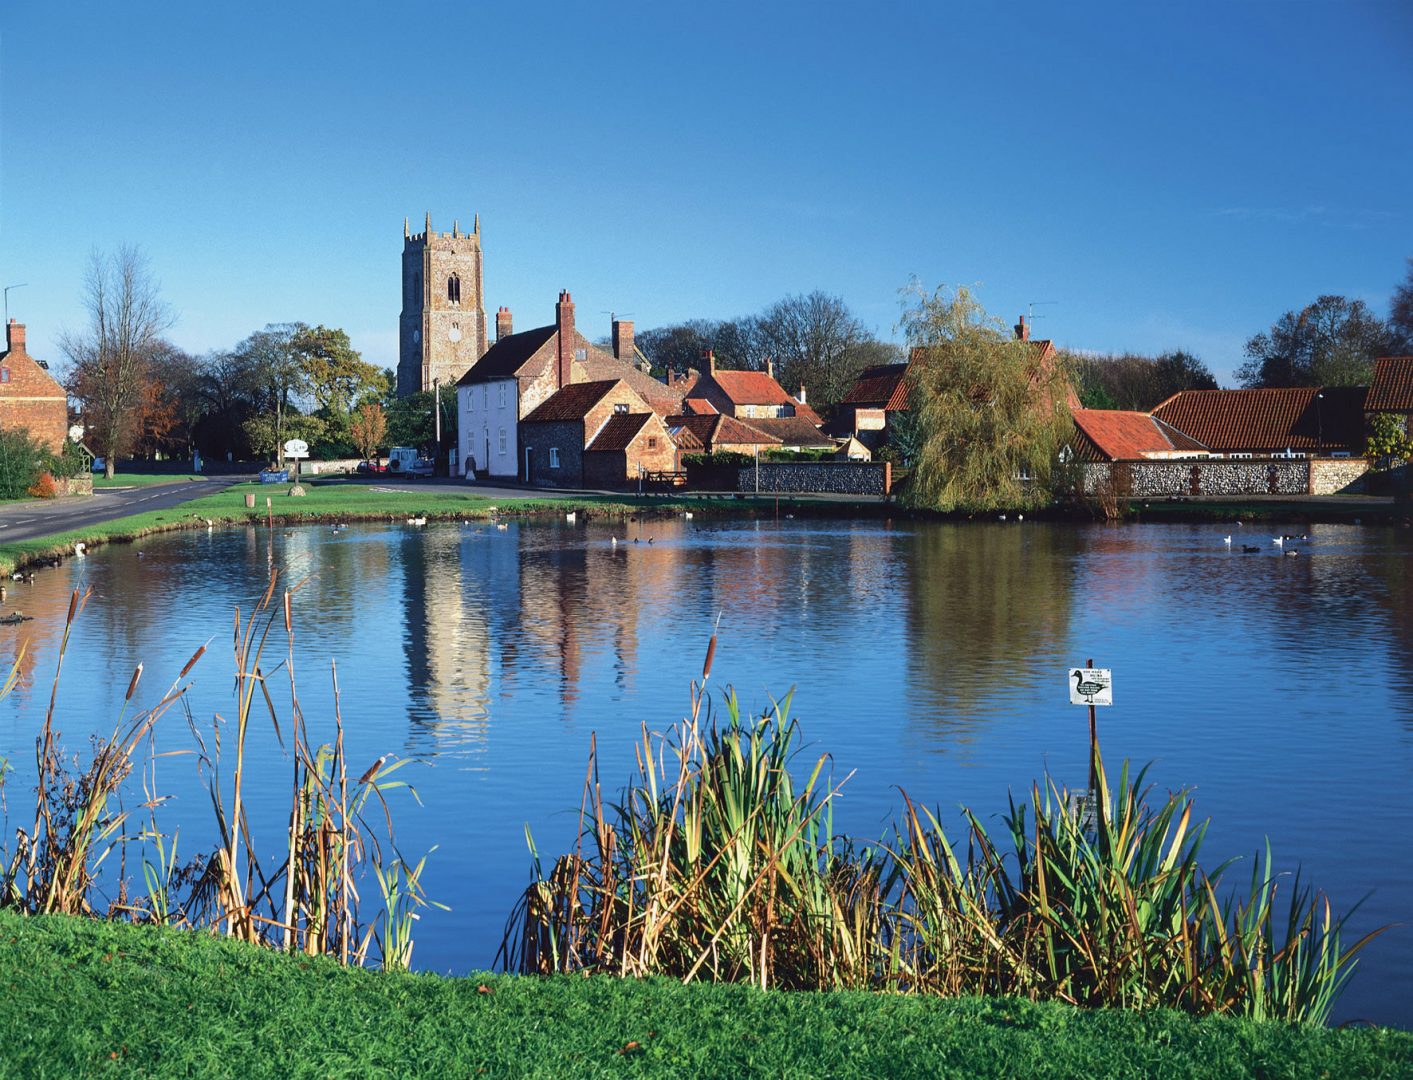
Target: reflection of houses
point(29, 396)
point(521, 371)
point(1300, 420)
point(1114, 435)
point(599, 434)
point(1392, 389)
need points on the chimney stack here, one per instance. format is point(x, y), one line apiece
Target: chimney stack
point(1022, 331)
point(801, 396)
point(770, 367)
point(15, 335)
point(503, 329)
point(623, 340)
point(564, 322)
point(710, 358)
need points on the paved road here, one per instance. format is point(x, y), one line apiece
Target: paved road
point(30, 520)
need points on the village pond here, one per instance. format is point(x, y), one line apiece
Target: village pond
point(927, 657)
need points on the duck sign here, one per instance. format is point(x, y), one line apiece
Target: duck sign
point(1091, 686)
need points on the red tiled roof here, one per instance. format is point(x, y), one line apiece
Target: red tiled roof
point(699, 406)
point(801, 409)
point(712, 430)
point(1125, 436)
point(880, 387)
point(791, 430)
point(742, 388)
point(1271, 420)
point(570, 402)
point(619, 431)
point(1393, 385)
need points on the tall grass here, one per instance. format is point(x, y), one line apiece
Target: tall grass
point(304, 898)
point(714, 864)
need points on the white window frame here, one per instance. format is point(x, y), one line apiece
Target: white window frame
point(502, 442)
point(554, 457)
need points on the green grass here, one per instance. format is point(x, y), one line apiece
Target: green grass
point(127, 480)
point(87, 998)
point(341, 500)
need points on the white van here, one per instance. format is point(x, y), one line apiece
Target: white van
point(406, 461)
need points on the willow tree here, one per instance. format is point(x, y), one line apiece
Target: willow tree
point(991, 410)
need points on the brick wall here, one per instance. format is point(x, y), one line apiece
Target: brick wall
point(29, 396)
point(819, 477)
point(568, 437)
point(1333, 475)
point(1196, 478)
point(620, 468)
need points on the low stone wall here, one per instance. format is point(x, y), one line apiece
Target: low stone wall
point(819, 477)
point(325, 468)
point(1330, 476)
point(1151, 479)
point(78, 485)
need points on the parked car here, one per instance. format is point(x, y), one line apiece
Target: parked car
point(406, 461)
point(99, 464)
point(372, 467)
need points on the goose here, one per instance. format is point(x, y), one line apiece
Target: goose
point(1020, 517)
point(570, 517)
point(1086, 687)
point(687, 514)
point(1002, 517)
point(1250, 549)
point(789, 517)
point(650, 539)
point(79, 550)
point(613, 540)
point(502, 526)
point(419, 522)
point(1226, 540)
point(1291, 554)
point(1279, 541)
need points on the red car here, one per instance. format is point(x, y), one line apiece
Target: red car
point(372, 467)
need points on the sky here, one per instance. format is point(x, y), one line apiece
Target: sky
point(1148, 176)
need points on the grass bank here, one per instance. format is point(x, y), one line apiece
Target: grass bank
point(86, 997)
point(128, 480)
point(349, 501)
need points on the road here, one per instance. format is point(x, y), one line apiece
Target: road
point(30, 520)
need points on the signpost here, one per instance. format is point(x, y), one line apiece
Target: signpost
point(296, 448)
point(1092, 686)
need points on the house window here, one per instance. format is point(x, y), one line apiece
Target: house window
point(652, 442)
point(581, 354)
point(453, 289)
point(502, 440)
point(554, 457)
point(503, 389)
point(4, 374)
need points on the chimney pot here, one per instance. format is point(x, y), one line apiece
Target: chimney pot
point(623, 340)
point(503, 323)
point(15, 334)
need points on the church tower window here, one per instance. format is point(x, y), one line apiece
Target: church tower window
point(453, 289)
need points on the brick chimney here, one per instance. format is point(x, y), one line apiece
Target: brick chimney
point(15, 335)
point(710, 358)
point(623, 340)
point(564, 322)
point(770, 367)
point(1022, 330)
point(503, 329)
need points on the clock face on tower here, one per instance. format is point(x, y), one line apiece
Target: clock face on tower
point(454, 334)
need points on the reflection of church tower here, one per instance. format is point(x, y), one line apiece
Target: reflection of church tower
point(443, 327)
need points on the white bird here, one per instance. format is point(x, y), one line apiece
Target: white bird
point(1226, 540)
point(1020, 517)
point(79, 549)
point(502, 526)
point(1278, 541)
point(613, 540)
point(688, 515)
point(569, 517)
point(1003, 517)
point(419, 522)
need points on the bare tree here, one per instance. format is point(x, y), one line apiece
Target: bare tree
point(815, 341)
point(111, 356)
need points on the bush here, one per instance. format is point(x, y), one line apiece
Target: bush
point(68, 463)
point(721, 457)
point(20, 463)
point(42, 488)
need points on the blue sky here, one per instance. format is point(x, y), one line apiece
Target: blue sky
point(1172, 176)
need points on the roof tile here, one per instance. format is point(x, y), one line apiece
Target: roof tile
point(1392, 390)
point(1271, 420)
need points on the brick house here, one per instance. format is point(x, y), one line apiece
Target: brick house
point(599, 433)
point(522, 371)
point(1117, 435)
point(31, 398)
point(1392, 389)
point(717, 433)
point(746, 395)
point(1275, 422)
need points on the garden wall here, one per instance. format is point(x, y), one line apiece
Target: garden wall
point(818, 477)
point(1255, 476)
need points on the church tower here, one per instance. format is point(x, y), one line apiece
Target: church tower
point(442, 331)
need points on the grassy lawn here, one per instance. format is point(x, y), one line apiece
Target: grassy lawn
point(90, 998)
point(341, 500)
point(127, 480)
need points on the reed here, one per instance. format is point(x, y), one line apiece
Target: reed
point(714, 864)
point(340, 830)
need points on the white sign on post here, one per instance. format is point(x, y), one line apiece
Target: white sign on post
point(1091, 686)
point(296, 448)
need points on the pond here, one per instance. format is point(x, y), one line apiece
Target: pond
point(927, 657)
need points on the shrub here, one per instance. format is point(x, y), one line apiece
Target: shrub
point(42, 488)
point(20, 463)
point(721, 457)
point(68, 463)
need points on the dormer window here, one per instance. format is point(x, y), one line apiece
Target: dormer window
point(453, 289)
point(620, 409)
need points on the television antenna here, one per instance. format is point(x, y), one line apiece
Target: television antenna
point(614, 316)
point(1035, 304)
point(21, 285)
